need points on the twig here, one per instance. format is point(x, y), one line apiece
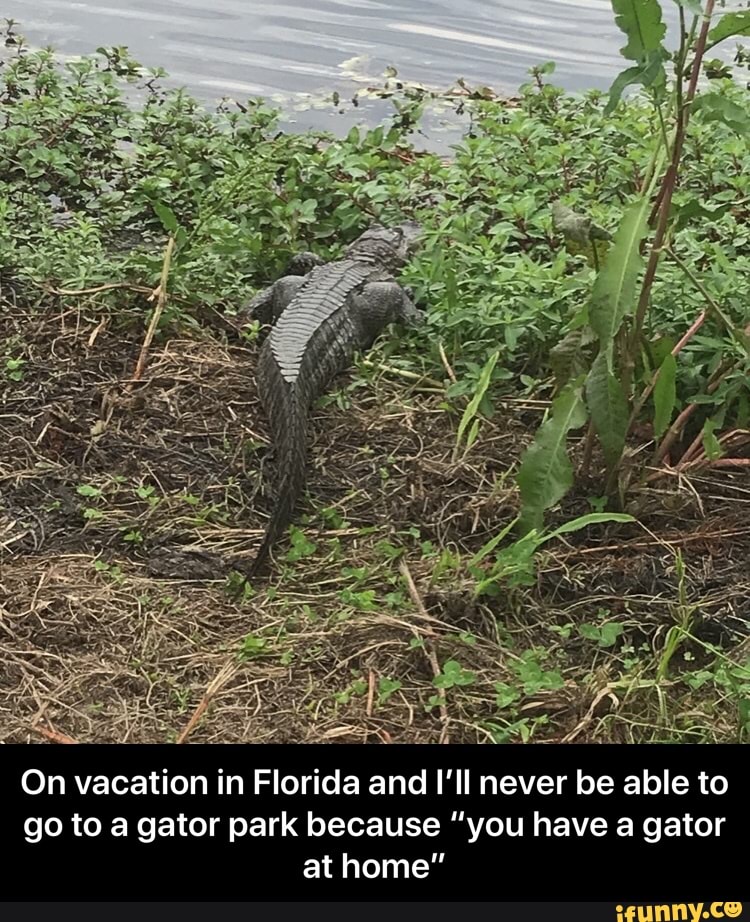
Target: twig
point(226, 673)
point(588, 450)
point(370, 693)
point(719, 462)
point(402, 373)
point(431, 655)
point(54, 736)
point(110, 286)
point(446, 364)
point(160, 293)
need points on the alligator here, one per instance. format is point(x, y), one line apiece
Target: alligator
point(321, 315)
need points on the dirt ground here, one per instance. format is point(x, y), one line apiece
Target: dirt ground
point(126, 506)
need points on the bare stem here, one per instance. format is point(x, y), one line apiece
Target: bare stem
point(160, 294)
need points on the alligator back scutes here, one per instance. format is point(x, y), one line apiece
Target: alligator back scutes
point(326, 292)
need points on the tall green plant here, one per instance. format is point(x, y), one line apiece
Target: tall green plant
point(618, 384)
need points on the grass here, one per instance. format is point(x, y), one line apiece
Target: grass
point(370, 628)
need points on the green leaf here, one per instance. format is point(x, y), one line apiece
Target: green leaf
point(717, 108)
point(583, 521)
point(491, 545)
point(614, 290)
point(711, 445)
point(649, 72)
point(589, 631)
point(546, 474)
point(608, 407)
point(641, 21)
point(610, 632)
point(694, 209)
point(86, 490)
point(473, 406)
point(166, 216)
point(665, 395)
point(730, 24)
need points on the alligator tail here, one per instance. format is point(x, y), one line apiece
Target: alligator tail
point(287, 411)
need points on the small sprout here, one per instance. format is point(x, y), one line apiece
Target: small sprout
point(251, 646)
point(86, 489)
point(386, 688)
point(453, 674)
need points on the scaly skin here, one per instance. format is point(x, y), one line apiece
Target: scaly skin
point(322, 319)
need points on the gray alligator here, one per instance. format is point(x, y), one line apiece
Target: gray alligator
point(321, 315)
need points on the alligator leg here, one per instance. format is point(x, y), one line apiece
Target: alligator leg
point(283, 292)
point(268, 305)
point(381, 303)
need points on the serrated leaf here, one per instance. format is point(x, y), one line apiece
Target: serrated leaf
point(641, 21)
point(546, 474)
point(608, 407)
point(717, 108)
point(473, 406)
point(730, 24)
point(614, 290)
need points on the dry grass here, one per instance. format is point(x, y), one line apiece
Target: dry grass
point(123, 627)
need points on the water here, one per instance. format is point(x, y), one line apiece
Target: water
point(295, 53)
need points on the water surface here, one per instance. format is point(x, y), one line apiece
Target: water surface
point(297, 52)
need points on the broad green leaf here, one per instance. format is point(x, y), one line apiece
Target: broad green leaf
point(593, 518)
point(717, 108)
point(730, 24)
point(546, 474)
point(641, 21)
point(614, 290)
point(608, 407)
point(649, 72)
point(166, 216)
point(665, 395)
point(610, 632)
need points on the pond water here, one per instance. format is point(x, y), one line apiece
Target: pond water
point(295, 52)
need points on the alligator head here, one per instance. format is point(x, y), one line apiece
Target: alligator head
point(390, 245)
